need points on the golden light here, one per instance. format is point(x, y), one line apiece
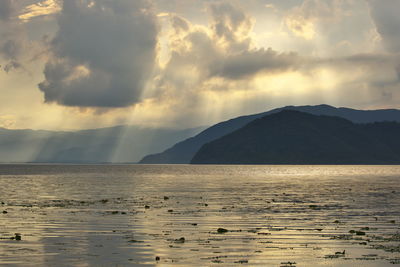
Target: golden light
point(42, 8)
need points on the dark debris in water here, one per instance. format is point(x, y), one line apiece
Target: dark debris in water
point(180, 240)
point(334, 256)
point(394, 260)
point(288, 264)
point(135, 241)
point(242, 261)
point(388, 248)
point(17, 236)
point(222, 230)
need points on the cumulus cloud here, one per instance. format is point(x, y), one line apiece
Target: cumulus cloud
point(224, 50)
point(211, 66)
point(102, 54)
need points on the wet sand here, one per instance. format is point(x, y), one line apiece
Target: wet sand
point(133, 215)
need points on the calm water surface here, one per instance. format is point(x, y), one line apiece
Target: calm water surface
point(127, 215)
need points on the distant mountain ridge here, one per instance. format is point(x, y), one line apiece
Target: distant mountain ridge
point(293, 137)
point(184, 151)
point(119, 144)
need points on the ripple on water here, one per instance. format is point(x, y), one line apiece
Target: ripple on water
point(121, 215)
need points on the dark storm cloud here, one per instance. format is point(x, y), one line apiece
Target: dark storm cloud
point(387, 20)
point(103, 53)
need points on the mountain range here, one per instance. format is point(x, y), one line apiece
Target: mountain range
point(183, 152)
point(293, 137)
point(130, 144)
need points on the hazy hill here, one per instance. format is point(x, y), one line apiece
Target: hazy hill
point(184, 151)
point(115, 144)
point(292, 137)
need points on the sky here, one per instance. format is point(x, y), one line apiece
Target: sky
point(78, 64)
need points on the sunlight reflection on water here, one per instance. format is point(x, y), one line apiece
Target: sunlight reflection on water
point(122, 215)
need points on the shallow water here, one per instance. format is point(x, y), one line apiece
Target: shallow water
point(116, 215)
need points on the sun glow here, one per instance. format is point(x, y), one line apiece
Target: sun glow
point(42, 8)
point(296, 83)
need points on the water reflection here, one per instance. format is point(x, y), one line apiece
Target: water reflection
point(129, 215)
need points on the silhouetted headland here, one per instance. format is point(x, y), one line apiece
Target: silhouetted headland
point(293, 137)
point(184, 151)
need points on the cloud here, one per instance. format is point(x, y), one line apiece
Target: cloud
point(10, 48)
point(11, 66)
point(238, 55)
point(12, 38)
point(303, 20)
point(387, 20)
point(231, 26)
point(368, 79)
point(224, 49)
point(102, 54)
point(43, 8)
point(210, 61)
point(7, 10)
point(262, 60)
point(7, 121)
point(210, 66)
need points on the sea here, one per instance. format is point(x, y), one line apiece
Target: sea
point(199, 215)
